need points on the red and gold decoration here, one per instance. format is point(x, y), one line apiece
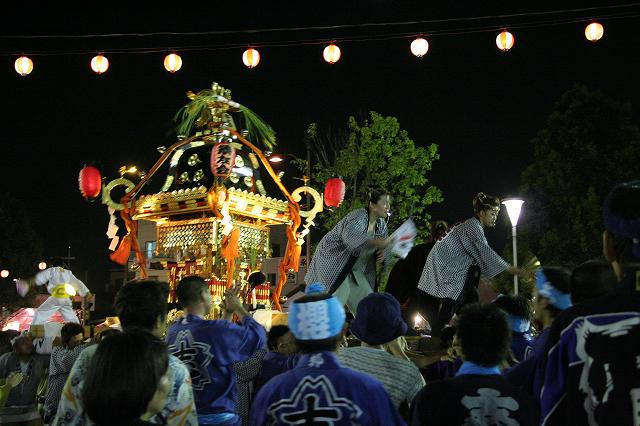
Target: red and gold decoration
point(505, 40)
point(223, 158)
point(90, 182)
point(334, 191)
point(23, 65)
point(211, 221)
point(99, 64)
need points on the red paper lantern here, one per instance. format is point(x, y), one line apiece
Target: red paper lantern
point(334, 192)
point(90, 182)
point(223, 158)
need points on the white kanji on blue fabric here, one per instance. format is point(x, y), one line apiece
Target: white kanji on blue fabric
point(318, 319)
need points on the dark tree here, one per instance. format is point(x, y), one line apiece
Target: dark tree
point(590, 142)
point(20, 251)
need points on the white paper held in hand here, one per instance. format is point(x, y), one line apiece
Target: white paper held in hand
point(403, 238)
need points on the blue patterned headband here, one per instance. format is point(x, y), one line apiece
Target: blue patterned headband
point(622, 227)
point(557, 298)
point(318, 319)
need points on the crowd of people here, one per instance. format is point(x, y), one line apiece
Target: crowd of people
point(569, 355)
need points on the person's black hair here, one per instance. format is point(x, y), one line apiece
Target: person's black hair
point(108, 333)
point(624, 202)
point(373, 195)
point(140, 303)
point(518, 306)
point(69, 330)
point(591, 279)
point(438, 230)
point(123, 376)
point(560, 278)
point(56, 261)
point(446, 336)
point(276, 332)
point(482, 202)
point(256, 278)
point(5, 340)
point(189, 289)
point(484, 334)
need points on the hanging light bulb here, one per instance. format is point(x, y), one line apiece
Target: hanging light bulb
point(331, 53)
point(251, 57)
point(594, 31)
point(419, 47)
point(99, 64)
point(505, 40)
point(23, 65)
point(172, 62)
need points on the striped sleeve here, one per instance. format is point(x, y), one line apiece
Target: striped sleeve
point(354, 230)
point(490, 263)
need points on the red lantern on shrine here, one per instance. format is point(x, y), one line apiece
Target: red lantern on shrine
point(90, 182)
point(223, 159)
point(334, 192)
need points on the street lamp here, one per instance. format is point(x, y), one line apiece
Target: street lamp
point(514, 206)
point(4, 273)
point(42, 266)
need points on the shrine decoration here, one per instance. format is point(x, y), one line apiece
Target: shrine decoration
point(223, 158)
point(217, 216)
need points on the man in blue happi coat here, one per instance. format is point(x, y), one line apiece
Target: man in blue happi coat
point(209, 348)
point(319, 391)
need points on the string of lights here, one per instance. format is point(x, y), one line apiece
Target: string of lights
point(504, 25)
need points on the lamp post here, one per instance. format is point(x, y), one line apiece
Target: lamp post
point(514, 206)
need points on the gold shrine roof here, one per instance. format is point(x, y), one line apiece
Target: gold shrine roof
point(241, 202)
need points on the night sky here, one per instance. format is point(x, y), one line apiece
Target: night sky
point(481, 106)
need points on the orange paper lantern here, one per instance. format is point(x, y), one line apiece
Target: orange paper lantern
point(594, 31)
point(331, 53)
point(172, 62)
point(23, 65)
point(419, 47)
point(505, 40)
point(99, 64)
point(334, 192)
point(90, 182)
point(251, 57)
